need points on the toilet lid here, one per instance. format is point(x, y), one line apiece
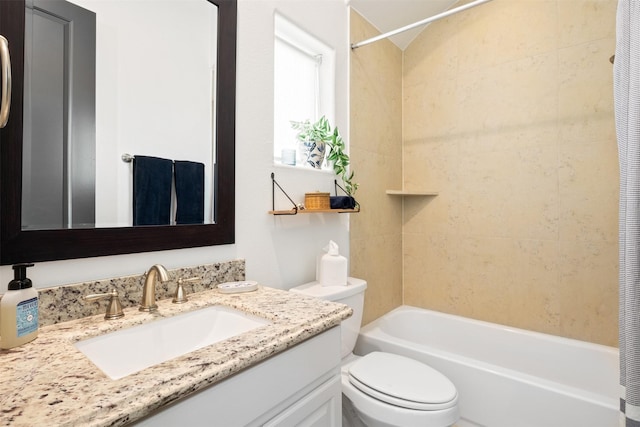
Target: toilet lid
point(402, 382)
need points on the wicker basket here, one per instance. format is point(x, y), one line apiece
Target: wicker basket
point(316, 201)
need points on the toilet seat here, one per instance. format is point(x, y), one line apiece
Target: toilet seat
point(402, 382)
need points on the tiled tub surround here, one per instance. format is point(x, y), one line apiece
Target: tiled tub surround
point(63, 303)
point(517, 135)
point(49, 382)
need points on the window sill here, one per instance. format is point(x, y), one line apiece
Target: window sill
point(302, 168)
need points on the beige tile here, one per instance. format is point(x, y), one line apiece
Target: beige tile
point(374, 170)
point(581, 21)
point(507, 111)
point(431, 110)
point(438, 40)
point(486, 192)
point(588, 291)
point(374, 128)
point(527, 134)
point(378, 260)
point(589, 195)
point(589, 217)
point(376, 93)
point(585, 93)
point(375, 147)
point(513, 282)
point(533, 290)
point(499, 280)
point(431, 279)
point(505, 31)
point(514, 102)
point(533, 210)
point(588, 168)
point(428, 169)
point(432, 214)
point(380, 212)
point(376, 132)
point(486, 270)
point(431, 165)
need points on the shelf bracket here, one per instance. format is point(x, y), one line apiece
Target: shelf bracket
point(274, 183)
point(335, 189)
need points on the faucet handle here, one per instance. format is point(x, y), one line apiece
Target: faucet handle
point(114, 309)
point(180, 295)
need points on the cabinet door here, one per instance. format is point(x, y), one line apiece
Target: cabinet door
point(320, 408)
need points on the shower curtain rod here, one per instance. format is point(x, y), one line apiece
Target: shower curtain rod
point(419, 23)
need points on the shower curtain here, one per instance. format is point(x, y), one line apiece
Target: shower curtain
point(627, 114)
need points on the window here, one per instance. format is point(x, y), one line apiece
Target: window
point(304, 82)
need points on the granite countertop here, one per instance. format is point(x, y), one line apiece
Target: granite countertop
point(49, 382)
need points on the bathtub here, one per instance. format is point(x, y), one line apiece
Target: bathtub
point(506, 377)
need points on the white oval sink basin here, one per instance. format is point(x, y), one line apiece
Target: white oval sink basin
point(130, 350)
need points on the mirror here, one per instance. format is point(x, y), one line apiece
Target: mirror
point(80, 120)
point(109, 233)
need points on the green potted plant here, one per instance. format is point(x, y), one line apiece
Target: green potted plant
point(340, 161)
point(314, 135)
point(313, 138)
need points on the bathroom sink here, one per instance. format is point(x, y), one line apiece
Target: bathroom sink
point(130, 350)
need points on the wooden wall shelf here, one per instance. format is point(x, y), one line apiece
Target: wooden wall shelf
point(313, 211)
point(296, 210)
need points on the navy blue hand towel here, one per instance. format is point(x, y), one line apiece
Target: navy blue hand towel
point(151, 190)
point(189, 192)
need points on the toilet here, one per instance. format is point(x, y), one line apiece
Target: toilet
point(385, 389)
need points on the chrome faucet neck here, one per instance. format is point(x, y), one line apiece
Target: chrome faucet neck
point(148, 302)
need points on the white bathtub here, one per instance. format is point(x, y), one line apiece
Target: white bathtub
point(506, 377)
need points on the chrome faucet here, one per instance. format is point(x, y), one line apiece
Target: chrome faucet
point(148, 302)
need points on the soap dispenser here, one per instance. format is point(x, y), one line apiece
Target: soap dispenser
point(19, 310)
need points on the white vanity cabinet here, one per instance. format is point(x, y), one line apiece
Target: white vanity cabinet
point(298, 387)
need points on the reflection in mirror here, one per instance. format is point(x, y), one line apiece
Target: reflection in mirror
point(159, 123)
point(117, 83)
point(58, 160)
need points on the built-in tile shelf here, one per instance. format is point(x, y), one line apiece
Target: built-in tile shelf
point(411, 193)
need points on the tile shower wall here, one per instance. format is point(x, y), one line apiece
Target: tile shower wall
point(376, 153)
point(508, 113)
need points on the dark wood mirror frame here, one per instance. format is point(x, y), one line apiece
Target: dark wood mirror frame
point(48, 245)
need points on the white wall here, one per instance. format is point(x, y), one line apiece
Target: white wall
point(279, 251)
point(132, 115)
point(285, 247)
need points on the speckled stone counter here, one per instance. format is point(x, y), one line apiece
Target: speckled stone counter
point(64, 303)
point(49, 383)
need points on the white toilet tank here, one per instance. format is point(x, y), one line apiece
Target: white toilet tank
point(351, 295)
